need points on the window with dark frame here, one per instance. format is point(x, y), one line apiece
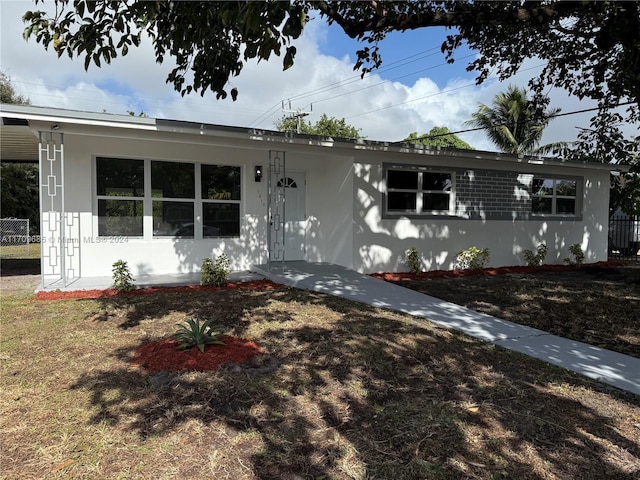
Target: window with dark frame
point(418, 192)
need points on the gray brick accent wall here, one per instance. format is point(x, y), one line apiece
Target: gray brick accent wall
point(492, 194)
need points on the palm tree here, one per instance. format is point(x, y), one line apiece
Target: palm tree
point(513, 123)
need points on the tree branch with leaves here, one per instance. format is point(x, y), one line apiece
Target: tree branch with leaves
point(325, 126)
point(589, 48)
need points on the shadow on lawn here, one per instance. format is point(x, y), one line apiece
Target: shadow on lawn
point(361, 393)
point(228, 307)
point(595, 305)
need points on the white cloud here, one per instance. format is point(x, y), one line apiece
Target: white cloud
point(383, 110)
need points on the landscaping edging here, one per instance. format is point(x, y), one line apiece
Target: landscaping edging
point(93, 294)
point(404, 276)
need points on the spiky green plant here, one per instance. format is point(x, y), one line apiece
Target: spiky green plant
point(198, 334)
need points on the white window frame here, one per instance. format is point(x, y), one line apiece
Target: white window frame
point(554, 196)
point(148, 199)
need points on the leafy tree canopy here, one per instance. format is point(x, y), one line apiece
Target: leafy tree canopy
point(325, 126)
point(605, 143)
point(438, 137)
point(591, 48)
point(8, 93)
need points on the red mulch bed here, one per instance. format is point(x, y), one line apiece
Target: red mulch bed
point(401, 276)
point(78, 294)
point(269, 285)
point(164, 355)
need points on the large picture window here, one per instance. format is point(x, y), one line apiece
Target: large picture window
point(553, 196)
point(418, 192)
point(185, 200)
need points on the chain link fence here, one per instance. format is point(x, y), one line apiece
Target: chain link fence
point(15, 241)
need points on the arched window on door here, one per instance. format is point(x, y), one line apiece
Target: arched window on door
point(287, 182)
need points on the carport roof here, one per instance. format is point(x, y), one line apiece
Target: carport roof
point(17, 142)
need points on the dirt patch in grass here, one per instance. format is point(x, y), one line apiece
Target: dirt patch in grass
point(18, 284)
point(597, 304)
point(356, 393)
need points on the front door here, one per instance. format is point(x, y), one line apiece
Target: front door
point(295, 223)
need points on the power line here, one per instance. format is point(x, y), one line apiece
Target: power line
point(385, 81)
point(355, 78)
point(82, 95)
point(575, 112)
point(274, 108)
point(430, 95)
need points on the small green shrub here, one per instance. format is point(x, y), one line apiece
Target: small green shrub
point(122, 279)
point(472, 258)
point(197, 334)
point(578, 255)
point(216, 273)
point(535, 259)
point(412, 259)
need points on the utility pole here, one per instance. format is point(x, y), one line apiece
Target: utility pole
point(298, 114)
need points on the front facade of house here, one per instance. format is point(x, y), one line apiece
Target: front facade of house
point(164, 195)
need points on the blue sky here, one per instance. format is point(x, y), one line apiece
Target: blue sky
point(414, 90)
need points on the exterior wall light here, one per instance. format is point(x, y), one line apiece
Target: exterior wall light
point(258, 173)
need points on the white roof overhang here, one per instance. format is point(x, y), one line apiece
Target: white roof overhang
point(20, 124)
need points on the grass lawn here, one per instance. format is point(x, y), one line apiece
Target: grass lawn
point(359, 393)
point(598, 304)
point(30, 251)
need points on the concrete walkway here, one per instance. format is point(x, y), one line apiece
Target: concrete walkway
point(613, 368)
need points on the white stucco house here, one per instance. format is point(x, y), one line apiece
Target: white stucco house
point(163, 195)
